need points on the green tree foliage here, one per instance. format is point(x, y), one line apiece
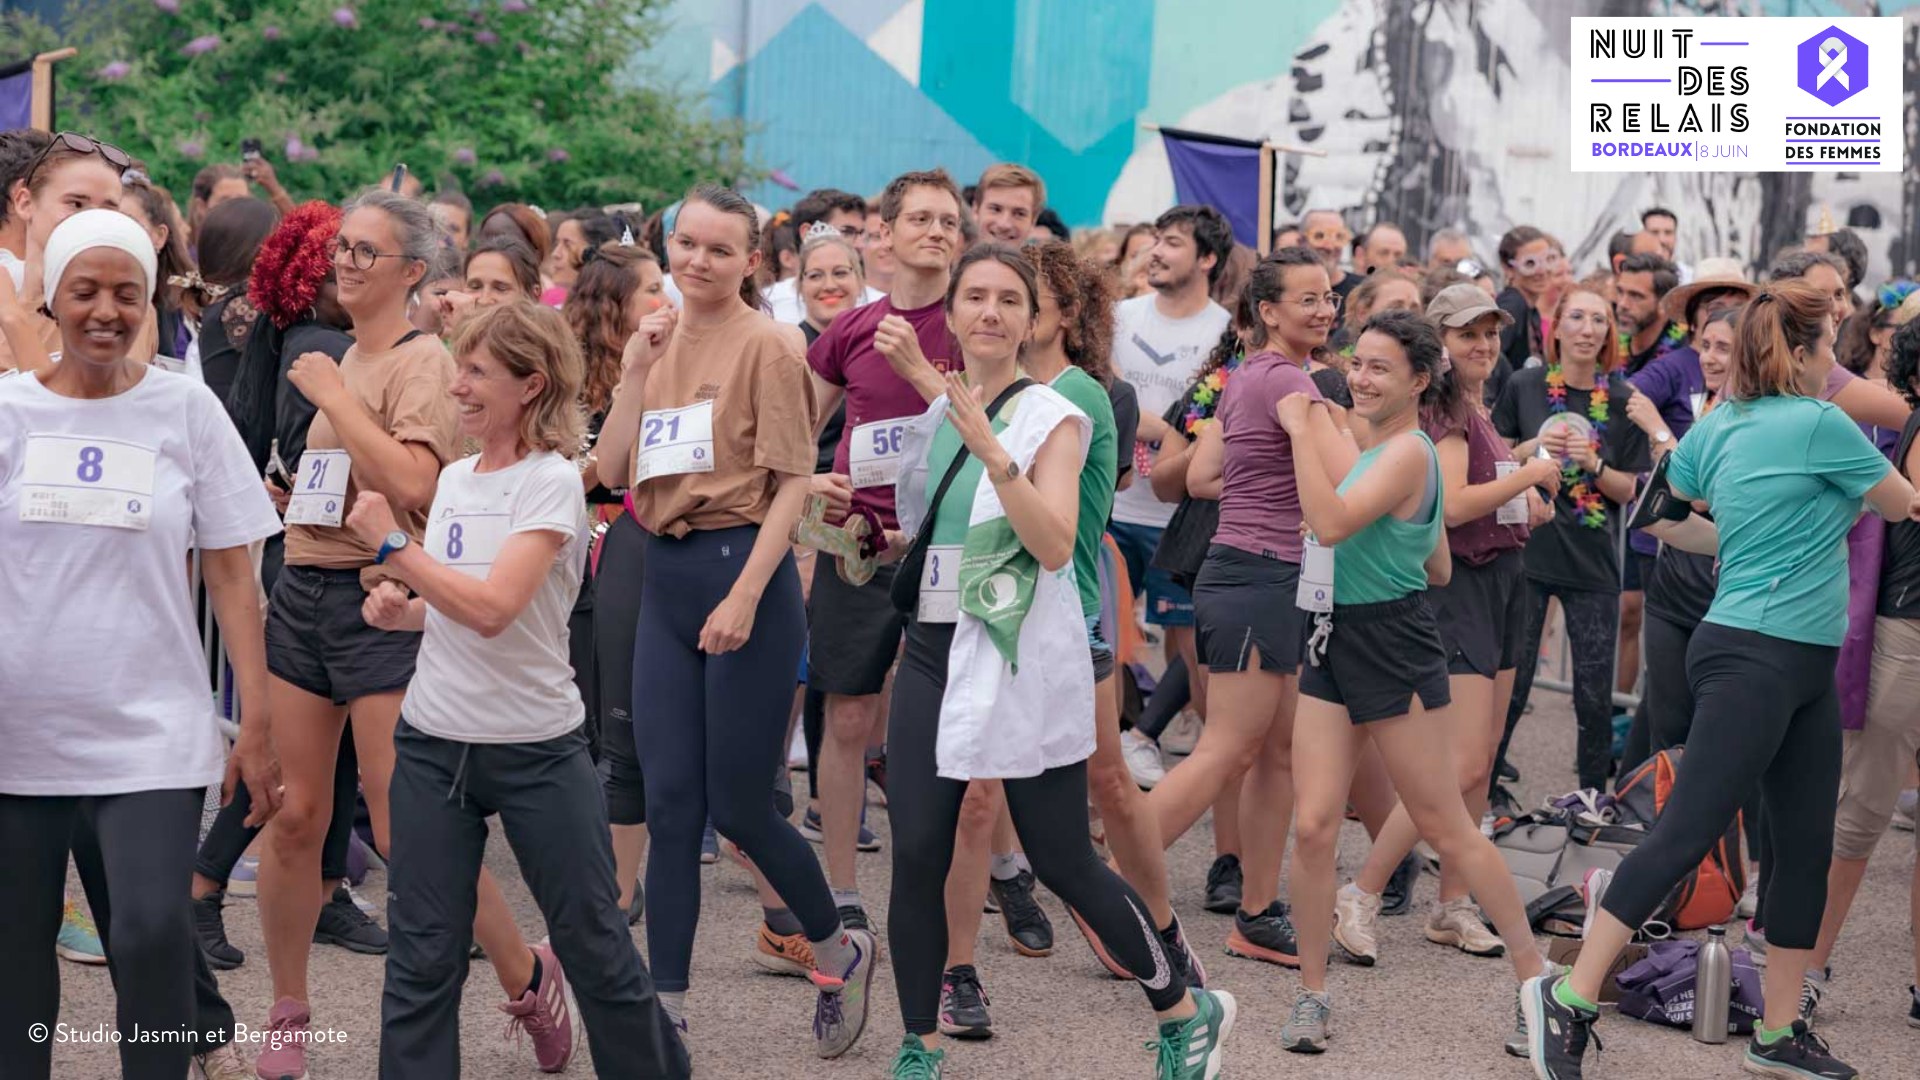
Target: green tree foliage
point(509, 100)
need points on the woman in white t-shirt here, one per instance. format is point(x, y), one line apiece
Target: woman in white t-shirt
point(111, 473)
point(493, 723)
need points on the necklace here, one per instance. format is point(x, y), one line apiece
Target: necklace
point(1586, 497)
point(1205, 398)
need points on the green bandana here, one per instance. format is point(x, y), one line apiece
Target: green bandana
point(997, 580)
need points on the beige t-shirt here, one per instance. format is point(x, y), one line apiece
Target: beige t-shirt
point(405, 388)
point(761, 390)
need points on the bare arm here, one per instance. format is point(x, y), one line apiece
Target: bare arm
point(1471, 502)
point(622, 425)
point(1893, 497)
point(1168, 477)
point(1334, 517)
point(1867, 401)
point(20, 331)
point(487, 606)
point(235, 596)
point(1206, 462)
point(1439, 564)
point(828, 397)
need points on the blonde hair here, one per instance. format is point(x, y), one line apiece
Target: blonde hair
point(1008, 175)
point(527, 339)
point(832, 239)
point(1781, 317)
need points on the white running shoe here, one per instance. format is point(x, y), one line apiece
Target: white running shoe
point(1749, 900)
point(1355, 913)
point(1592, 888)
point(1182, 734)
point(797, 749)
point(1457, 923)
point(1143, 759)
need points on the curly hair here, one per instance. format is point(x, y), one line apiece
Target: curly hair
point(596, 311)
point(293, 262)
point(1084, 293)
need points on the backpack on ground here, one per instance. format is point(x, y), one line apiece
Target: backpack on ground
point(1709, 894)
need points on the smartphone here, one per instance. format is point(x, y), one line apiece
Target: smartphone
point(249, 149)
point(399, 176)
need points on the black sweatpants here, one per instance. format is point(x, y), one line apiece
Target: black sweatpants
point(616, 611)
point(1765, 712)
point(1050, 813)
point(443, 792)
point(712, 736)
point(229, 836)
point(134, 853)
point(1593, 627)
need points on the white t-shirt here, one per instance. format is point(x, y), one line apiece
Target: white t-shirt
point(15, 269)
point(517, 687)
point(103, 677)
point(1160, 357)
point(783, 299)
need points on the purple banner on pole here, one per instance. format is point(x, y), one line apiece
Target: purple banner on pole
point(16, 96)
point(1221, 173)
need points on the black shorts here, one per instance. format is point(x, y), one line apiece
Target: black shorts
point(853, 634)
point(1482, 615)
point(318, 641)
point(1242, 602)
point(1378, 658)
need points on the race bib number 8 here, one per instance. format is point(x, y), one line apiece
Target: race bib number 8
point(320, 489)
point(82, 480)
point(676, 441)
point(469, 543)
point(873, 457)
point(940, 585)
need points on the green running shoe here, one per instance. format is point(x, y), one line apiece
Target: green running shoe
point(1190, 1049)
point(915, 1061)
point(78, 940)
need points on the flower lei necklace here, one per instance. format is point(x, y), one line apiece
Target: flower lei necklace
point(1580, 487)
point(1675, 336)
point(1206, 394)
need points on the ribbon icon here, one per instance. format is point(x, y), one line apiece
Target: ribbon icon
point(1833, 58)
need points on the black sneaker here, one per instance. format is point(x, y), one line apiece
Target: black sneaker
point(1267, 936)
point(637, 909)
point(854, 917)
point(1802, 1054)
point(963, 1005)
point(1027, 925)
point(1913, 1006)
point(1223, 885)
point(1557, 1034)
point(1397, 897)
point(210, 925)
point(342, 923)
point(1182, 957)
point(1504, 770)
point(1813, 987)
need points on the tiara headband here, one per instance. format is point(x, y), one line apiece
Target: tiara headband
point(819, 229)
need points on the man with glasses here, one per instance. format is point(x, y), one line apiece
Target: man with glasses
point(844, 211)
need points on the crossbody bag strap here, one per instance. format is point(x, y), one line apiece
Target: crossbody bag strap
point(960, 459)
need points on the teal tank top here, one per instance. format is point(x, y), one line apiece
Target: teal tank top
point(1387, 559)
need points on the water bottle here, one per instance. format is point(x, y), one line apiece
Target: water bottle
point(1712, 988)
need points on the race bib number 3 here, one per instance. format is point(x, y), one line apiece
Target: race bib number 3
point(469, 542)
point(676, 441)
point(1315, 591)
point(873, 457)
point(80, 480)
point(320, 489)
point(940, 585)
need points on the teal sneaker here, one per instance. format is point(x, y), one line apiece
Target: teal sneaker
point(915, 1061)
point(79, 941)
point(1190, 1049)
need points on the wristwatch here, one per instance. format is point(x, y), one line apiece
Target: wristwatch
point(394, 542)
point(1007, 475)
point(1663, 437)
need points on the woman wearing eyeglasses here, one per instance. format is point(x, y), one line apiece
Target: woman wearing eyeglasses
point(1531, 267)
point(72, 174)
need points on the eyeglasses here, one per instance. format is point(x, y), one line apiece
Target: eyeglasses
point(1312, 303)
point(856, 233)
point(1533, 264)
point(360, 256)
point(1328, 236)
point(923, 219)
point(79, 144)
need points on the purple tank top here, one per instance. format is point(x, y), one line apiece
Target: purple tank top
point(1259, 500)
point(1484, 539)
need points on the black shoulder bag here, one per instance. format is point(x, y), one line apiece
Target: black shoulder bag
point(905, 590)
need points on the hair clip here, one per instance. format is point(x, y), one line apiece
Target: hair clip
point(136, 176)
point(779, 218)
point(819, 229)
point(626, 230)
point(192, 280)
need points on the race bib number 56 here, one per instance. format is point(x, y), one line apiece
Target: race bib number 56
point(873, 454)
point(85, 480)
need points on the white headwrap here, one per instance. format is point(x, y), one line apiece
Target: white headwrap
point(95, 229)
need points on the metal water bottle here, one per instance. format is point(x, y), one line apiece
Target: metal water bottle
point(1712, 988)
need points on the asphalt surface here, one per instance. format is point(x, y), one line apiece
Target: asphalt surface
point(1426, 1012)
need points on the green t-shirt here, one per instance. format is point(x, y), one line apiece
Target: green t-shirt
point(1097, 478)
point(1388, 559)
point(951, 517)
point(1784, 476)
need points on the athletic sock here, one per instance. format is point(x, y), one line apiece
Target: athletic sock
point(836, 954)
point(1563, 993)
point(1020, 860)
point(1768, 1038)
point(781, 921)
point(1006, 867)
point(533, 983)
point(848, 898)
point(675, 1004)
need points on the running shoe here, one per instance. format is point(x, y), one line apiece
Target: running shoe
point(915, 1062)
point(1593, 887)
point(1749, 904)
point(1100, 952)
point(854, 917)
point(1267, 936)
point(1143, 759)
point(810, 828)
point(1027, 926)
point(1182, 734)
point(1458, 923)
point(1557, 1035)
point(1756, 942)
point(1813, 987)
point(637, 907)
point(783, 954)
point(797, 750)
point(1356, 915)
point(542, 1013)
point(1191, 1049)
point(1913, 1006)
point(210, 925)
point(366, 906)
point(1224, 882)
point(1800, 1055)
point(1397, 897)
point(1904, 809)
point(222, 1063)
point(342, 923)
point(79, 940)
point(244, 879)
point(1187, 962)
point(963, 1005)
point(286, 1055)
point(709, 846)
point(1516, 1045)
point(840, 1014)
point(1306, 1031)
point(1504, 770)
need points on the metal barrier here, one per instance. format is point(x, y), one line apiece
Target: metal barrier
point(225, 707)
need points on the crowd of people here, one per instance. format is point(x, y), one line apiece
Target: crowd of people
point(603, 522)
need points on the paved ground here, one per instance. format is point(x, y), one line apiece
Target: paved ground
point(1424, 1013)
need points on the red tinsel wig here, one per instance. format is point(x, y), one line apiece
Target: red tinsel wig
point(294, 261)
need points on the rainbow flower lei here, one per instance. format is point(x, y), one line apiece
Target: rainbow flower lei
point(1675, 336)
point(1206, 394)
point(1586, 497)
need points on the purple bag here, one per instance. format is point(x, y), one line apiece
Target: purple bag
point(1866, 545)
point(1660, 987)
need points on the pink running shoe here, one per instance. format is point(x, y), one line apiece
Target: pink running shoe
point(543, 1014)
point(285, 1057)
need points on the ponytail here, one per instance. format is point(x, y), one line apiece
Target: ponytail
point(1783, 316)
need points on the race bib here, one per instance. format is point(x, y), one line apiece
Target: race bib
point(320, 489)
point(1514, 510)
point(1698, 399)
point(468, 543)
point(940, 585)
point(873, 457)
point(676, 441)
point(1316, 577)
point(82, 480)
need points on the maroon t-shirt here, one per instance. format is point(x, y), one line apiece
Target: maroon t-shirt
point(1482, 540)
point(845, 357)
point(1259, 498)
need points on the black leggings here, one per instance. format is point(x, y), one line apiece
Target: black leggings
point(1765, 713)
point(1050, 812)
point(1593, 629)
point(616, 611)
point(1665, 715)
point(713, 734)
point(229, 836)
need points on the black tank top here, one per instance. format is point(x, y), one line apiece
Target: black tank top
point(1900, 566)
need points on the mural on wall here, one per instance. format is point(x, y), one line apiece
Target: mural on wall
point(1433, 113)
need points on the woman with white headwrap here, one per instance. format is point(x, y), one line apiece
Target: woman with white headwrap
point(110, 472)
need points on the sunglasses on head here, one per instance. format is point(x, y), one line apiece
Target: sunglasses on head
point(79, 144)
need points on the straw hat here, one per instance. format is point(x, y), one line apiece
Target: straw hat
point(1715, 273)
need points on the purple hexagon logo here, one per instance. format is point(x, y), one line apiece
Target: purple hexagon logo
point(1833, 65)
